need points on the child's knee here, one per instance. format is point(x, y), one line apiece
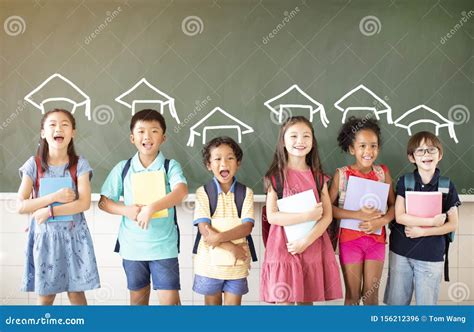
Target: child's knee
point(168, 297)
point(46, 299)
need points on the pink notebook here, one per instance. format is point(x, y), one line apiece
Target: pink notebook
point(423, 204)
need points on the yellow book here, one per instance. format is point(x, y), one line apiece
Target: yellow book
point(218, 255)
point(148, 187)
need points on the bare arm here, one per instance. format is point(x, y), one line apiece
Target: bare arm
point(26, 204)
point(326, 218)
point(82, 203)
point(235, 233)
point(215, 239)
point(276, 217)
point(175, 197)
point(370, 226)
point(450, 226)
point(299, 246)
point(405, 219)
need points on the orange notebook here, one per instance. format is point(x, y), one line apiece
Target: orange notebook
point(423, 204)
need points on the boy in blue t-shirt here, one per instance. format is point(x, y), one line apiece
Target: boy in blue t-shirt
point(418, 245)
point(148, 246)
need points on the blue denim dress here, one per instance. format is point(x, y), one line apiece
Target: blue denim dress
point(59, 254)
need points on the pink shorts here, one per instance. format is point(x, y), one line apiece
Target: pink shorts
point(360, 250)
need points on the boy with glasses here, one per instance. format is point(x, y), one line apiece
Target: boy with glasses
point(418, 246)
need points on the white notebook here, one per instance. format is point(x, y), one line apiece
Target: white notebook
point(300, 202)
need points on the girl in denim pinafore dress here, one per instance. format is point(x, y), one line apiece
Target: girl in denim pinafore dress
point(60, 254)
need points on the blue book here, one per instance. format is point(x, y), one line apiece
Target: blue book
point(51, 185)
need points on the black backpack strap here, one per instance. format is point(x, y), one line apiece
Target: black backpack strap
point(167, 168)
point(279, 186)
point(240, 192)
point(443, 187)
point(211, 191)
point(124, 174)
point(409, 181)
point(446, 259)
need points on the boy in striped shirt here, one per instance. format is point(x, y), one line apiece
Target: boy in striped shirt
point(222, 261)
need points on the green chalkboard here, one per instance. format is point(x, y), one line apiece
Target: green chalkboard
point(233, 67)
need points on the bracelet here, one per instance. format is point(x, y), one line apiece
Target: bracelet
point(51, 213)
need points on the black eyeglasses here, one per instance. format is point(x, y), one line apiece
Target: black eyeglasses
point(421, 152)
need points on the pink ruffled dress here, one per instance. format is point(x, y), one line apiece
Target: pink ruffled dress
point(308, 277)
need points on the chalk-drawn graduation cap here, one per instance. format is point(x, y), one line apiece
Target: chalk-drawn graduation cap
point(414, 116)
point(378, 106)
point(279, 103)
point(144, 92)
point(200, 128)
point(59, 88)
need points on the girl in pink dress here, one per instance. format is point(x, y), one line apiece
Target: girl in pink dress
point(305, 270)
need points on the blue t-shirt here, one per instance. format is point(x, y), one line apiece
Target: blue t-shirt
point(428, 248)
point(160, 240)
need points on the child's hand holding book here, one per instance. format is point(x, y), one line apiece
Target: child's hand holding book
point(64, 195)
point(132, 211)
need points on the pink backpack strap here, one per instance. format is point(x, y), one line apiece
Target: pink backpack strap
point(380, 171)
point(342, 179)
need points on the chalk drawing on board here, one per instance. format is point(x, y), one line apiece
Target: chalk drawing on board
point(412, 117)
point(378, 107)
point(134, 97)
point(277, 105)
point(200, 129)
point(69, 92)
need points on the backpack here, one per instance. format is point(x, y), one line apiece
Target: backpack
point(240, 192)
point(279, 191)
point(443, 187)
point(124, 173)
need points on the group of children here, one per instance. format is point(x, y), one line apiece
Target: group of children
point(60, 254)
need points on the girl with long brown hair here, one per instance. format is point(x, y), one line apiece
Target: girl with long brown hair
point(305, 270)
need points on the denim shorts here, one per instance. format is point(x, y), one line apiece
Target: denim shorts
point(164, 273)
point(210, 286)
point(408, 275)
